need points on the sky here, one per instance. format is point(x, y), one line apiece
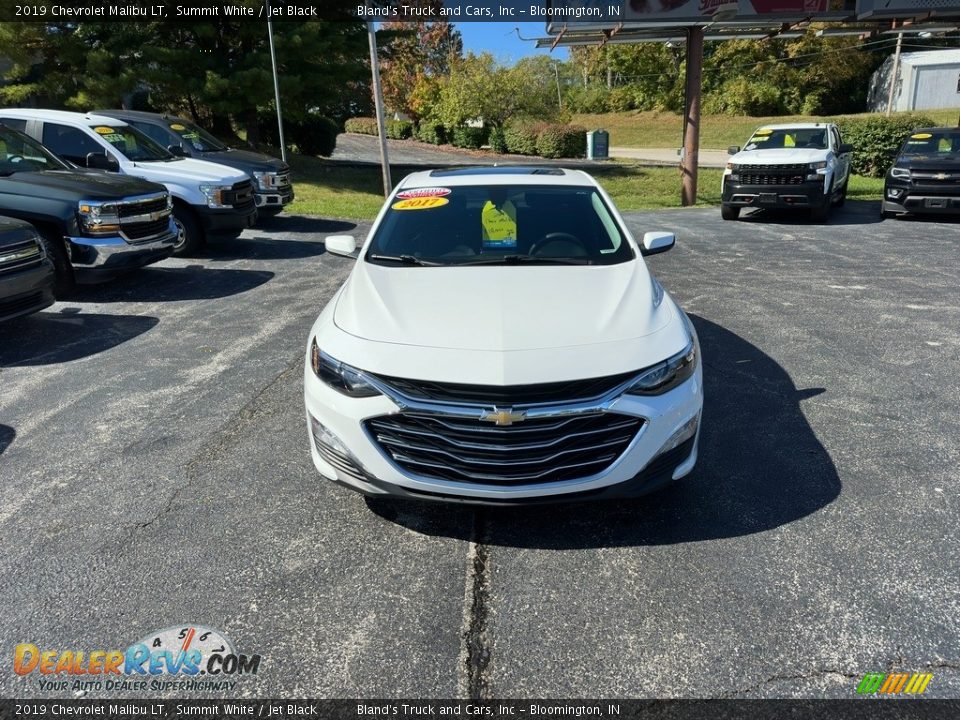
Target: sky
point(500, 39)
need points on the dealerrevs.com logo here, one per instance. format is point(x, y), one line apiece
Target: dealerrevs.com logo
point(188, 657)
point(894, 683)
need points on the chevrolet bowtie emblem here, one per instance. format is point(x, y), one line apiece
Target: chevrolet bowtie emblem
point(503, 417)
point(941, 176)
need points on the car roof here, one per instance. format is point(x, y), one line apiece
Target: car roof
point(498, 175)
point(59, 115)
point(139, 115)
point(795, 126)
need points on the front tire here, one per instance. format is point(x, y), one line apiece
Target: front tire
point(729, 212)
point(64, 281)
point(190, 237)
point(843, 194)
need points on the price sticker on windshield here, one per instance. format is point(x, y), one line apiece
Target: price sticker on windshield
point(104, 130)
point(420, 203)
point(178, 127)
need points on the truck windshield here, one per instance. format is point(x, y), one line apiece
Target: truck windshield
point(933, 142)
point(131, 143)
point(19, 153)
point(779, 138)
point(198, 138)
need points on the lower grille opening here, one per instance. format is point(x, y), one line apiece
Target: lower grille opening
point(533, 451)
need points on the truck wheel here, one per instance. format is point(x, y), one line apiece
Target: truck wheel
point(729, 212)
point(63, 279)
point(843, 194)
point(190, 237)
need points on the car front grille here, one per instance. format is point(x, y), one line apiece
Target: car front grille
point(19, 256)
point(460, 394)
point(793, 174)
point(133, 208)
point(540, 450)
point(146, 230)
point(240, 196)
point(142, 219)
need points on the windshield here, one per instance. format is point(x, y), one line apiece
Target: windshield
point(770, 139)
point(933, 142)
point(131, 143)
point(499, 224)
point(198, 138)
point(19, 153)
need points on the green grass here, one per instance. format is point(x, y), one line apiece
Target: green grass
point(664, 129)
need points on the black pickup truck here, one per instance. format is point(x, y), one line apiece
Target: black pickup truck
point(925, 177)
point(93, 225)
point(26, 274)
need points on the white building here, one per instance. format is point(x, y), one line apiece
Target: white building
point(927, 80)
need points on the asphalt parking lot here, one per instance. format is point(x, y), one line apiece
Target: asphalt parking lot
point(155, 472)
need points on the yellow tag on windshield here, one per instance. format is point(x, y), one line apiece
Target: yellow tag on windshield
point(499, 225)
point(764, 131)
point(423, 203)
point(104, 130)
point(178, 126)
point(921, 136)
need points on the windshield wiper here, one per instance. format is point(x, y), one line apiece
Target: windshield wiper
point(520, 259)
point(405, 259)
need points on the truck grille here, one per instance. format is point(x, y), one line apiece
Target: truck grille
point(240, 196)
point(792, 174)
point(541, 450)
point(19, 256)
point(132, 208)
point(146, 230)
point(936, 179)
point(567, 391)
point(144, 218)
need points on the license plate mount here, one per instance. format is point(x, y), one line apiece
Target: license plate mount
point(935, 203)
point(768, 198)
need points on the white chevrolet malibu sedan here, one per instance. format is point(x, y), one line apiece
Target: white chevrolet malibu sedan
point(501, 341)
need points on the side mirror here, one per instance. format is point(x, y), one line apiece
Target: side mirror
point(101, 161)
point(176, 150)
point(733, 150)
point(845, 148)
point(341, 245)
point(657, 242)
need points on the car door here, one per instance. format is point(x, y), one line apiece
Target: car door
point(70, 143)
point(843, 159)
point(157, 133)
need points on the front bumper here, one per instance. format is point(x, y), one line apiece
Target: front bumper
point(274, 198)
point(903, 199)
point(801, 195)
point(101, 257)
point(226, 220)
point(361, 464)
point(26, 291)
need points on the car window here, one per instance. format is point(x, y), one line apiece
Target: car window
point(196, 137)
point(70, 143)
point(768, 138)
point(20, 153)
point(500, 223)
point(934, 142)
point(131, 143)
point(156, 133)
point(18, 124)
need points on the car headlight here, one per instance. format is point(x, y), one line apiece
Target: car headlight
point(735, 167)
point(215, 195)
point(265, 180)
point(668, 374)
point(340, 376)
point(98, 218)
point(900, 173)
point(822, 165)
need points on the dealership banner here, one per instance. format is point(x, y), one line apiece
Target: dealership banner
point(411, 709)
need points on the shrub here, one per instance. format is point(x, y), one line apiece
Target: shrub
point(399, 129)
point(498, 143)
point(562, 141)
point(313, 135)
point(431, 132)
point(521, 137)
point(465, 136)
point(362, 125)
point(876, 140)
point(745, 96)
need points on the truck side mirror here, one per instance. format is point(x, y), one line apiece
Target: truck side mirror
point(733, 150)
point(101, 161)
point(846, 148)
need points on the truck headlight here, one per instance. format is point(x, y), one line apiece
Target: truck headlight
point(900, 173)
point(215, 195)
point(340, 376)
point(668, 374)
point(265, 180)
point(98, 218)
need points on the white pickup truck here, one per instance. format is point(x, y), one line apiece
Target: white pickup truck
point(801, 165)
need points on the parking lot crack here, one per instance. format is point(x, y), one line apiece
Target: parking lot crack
point(476, 646)
point(813, 674)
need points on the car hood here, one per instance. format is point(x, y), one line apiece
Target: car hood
point(500, 308)
point(184, 169)
point(781, 156)
point(931, 162)
point(245, 160)
point(78, 184)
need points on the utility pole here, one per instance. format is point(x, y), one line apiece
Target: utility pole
point(894, 76)
point(691, 115)
point(276, 84)
point(378, 103)
point(556, 74)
